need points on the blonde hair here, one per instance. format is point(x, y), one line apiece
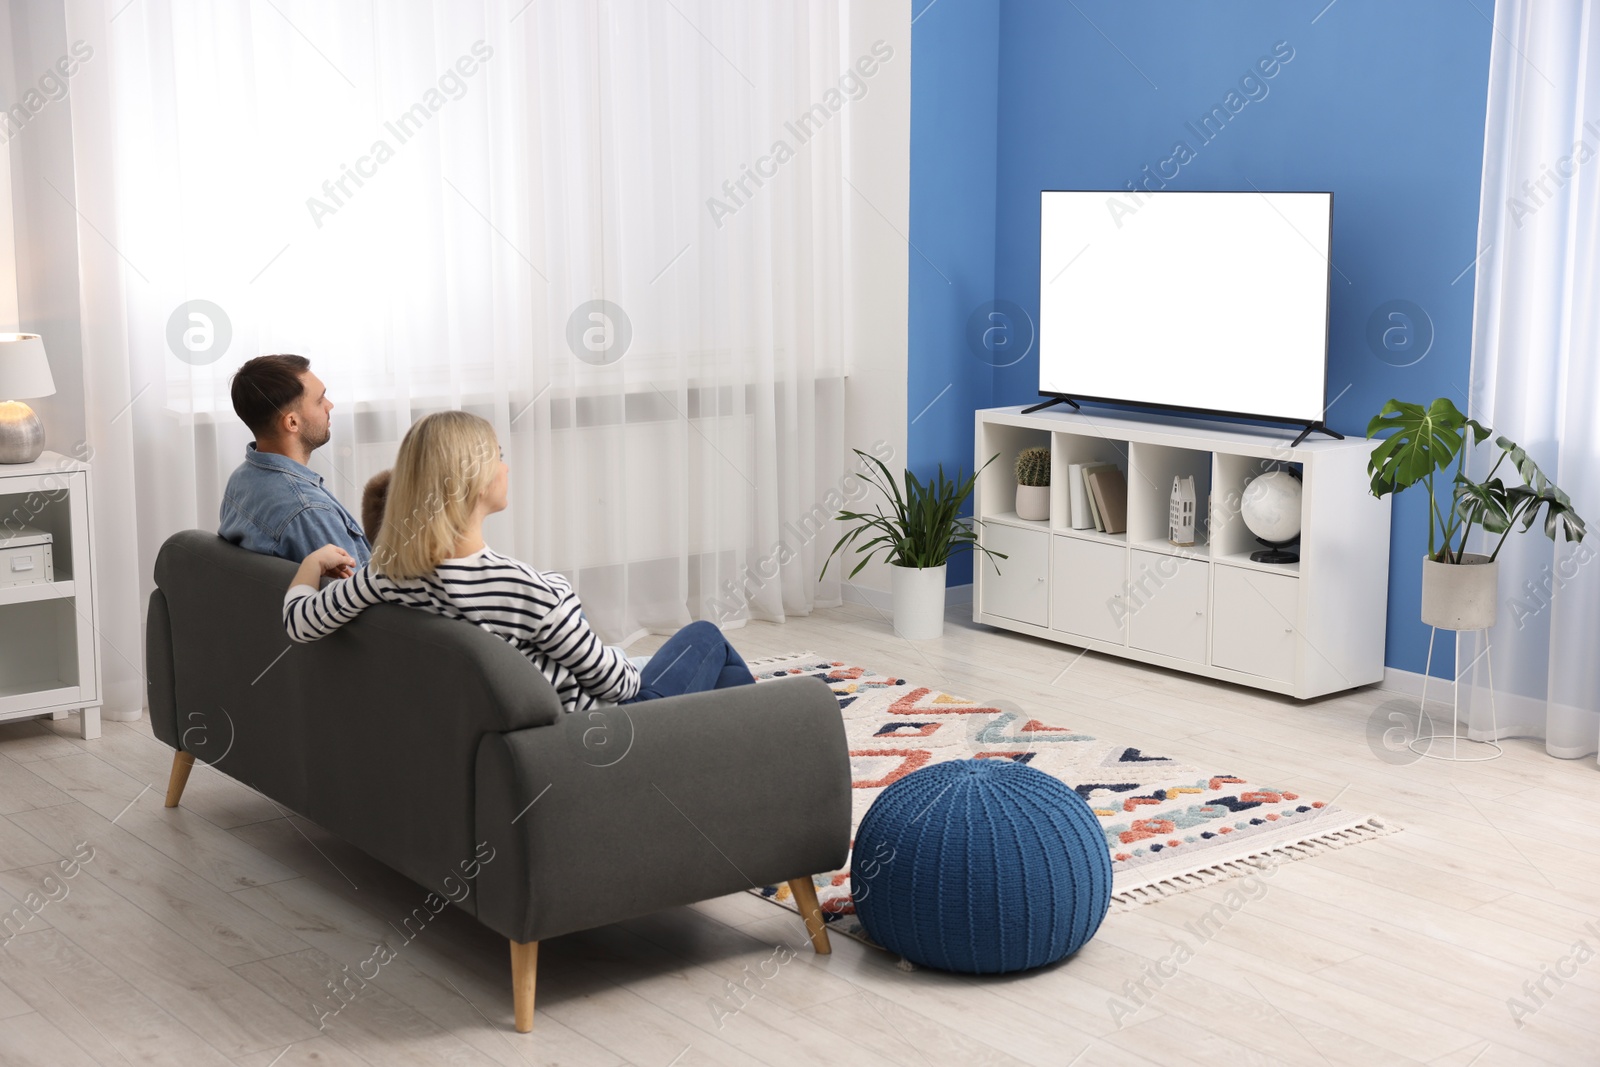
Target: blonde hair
point(445, 463)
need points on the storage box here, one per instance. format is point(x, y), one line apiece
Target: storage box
point(25, 557)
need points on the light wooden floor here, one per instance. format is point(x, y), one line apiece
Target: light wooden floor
point(203, 935)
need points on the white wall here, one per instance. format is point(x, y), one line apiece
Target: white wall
point(879, 220)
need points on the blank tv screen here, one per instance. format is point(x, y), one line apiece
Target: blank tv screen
point(1210, 301)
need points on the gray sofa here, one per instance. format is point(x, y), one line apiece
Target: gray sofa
point(436, 748)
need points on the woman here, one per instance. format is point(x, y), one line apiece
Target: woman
point(449, 476)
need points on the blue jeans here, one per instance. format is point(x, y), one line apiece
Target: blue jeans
point(693, 660)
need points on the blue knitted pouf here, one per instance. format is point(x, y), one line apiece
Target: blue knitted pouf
point(981, 867)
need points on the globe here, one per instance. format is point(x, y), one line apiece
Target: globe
point(1271, 507)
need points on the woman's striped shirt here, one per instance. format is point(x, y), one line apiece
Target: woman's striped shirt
point(536, 612)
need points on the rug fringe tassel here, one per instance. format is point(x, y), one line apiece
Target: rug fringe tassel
point(1245, 866)
point(767, 661)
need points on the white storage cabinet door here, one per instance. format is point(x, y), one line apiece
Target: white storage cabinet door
point(1088, 595)
point(1167, 605)
point(1017, 587)
point(1256, 627)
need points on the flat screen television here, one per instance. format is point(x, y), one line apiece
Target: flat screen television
point(1209, 302)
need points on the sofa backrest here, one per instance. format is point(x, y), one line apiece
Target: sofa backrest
point(371, 733)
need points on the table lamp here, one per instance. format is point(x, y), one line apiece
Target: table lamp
point(24, 372)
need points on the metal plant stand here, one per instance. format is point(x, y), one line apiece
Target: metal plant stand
point(1490, 749)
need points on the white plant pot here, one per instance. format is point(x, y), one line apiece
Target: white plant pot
point(1461, 596)
point(919, 602)
point(1033, 502)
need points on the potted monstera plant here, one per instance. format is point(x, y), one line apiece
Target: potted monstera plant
point(1460, 588)
point(917, 537)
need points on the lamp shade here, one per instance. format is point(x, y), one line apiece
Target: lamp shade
point(24, 370)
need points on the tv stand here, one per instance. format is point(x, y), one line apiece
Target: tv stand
point(1052, 402)
point(1316, 427)
point(1301, 627)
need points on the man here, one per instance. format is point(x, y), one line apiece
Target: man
point(275, 504)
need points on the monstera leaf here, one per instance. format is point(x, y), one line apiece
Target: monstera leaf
point(1558, 516)
point(1500, 508)
point(1486, 503)
point(1422, 440)
point(1531, 474)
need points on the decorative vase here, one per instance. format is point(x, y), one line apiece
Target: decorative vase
point(21, 433)
point(1033, 502)
point(919, 602)
point(1461, 596)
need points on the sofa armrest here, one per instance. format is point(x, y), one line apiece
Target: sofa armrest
point(606, 815)
point(160, 685)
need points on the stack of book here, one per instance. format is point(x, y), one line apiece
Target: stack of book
point(1099, 497)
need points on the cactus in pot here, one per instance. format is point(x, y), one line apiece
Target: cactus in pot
point(1033, 483)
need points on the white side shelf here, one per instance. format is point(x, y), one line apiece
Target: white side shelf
point(1304, 629)
point(27, 594)
point(49, 655)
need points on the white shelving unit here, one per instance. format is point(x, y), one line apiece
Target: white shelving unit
point(49, 656)
point(1304, 629)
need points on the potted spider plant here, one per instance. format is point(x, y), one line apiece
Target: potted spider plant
point(917, 537)
point(1460, 588)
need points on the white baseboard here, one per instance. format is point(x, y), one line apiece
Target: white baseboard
point(883, 600)
point(1407, 682)
point(851, 593)
point(1515, 715)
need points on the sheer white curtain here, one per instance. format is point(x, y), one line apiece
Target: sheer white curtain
point(422, 198)
point(1536, 361)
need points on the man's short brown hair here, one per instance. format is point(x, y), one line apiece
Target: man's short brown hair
point(264, 387)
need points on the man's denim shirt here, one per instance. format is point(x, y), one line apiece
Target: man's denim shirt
point(278, 507)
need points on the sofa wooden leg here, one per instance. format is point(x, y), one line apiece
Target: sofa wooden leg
point(805, 898)
point(524, 969)
point(182, 763)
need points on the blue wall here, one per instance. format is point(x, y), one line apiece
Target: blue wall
point(1382, 103)
point(955, 84)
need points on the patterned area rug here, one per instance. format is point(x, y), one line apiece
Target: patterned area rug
point(1170, 826)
